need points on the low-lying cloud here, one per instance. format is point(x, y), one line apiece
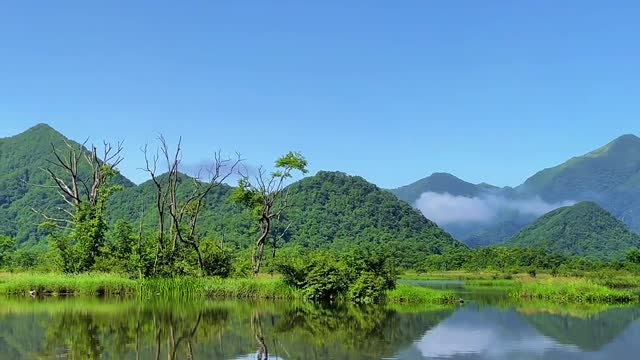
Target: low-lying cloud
point(446, 208)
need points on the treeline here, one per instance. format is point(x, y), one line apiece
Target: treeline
point(517, 260)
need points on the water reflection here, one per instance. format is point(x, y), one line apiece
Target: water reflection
point(99, 329)
point(491, 333)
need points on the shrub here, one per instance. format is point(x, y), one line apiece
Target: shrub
point(368, 289)
point(359, 276)
point(217, 259)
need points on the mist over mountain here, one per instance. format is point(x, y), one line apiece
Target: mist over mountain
point(482, 215)
point(476, 214)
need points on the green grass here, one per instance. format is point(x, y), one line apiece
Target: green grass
point(219, 288)
point(407, 294)
point(57, 284)
point(573, 290)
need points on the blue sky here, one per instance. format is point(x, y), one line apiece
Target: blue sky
point(390, 90)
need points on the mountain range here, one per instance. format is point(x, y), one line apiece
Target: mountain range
point(329, 209)
point(335, 209)
point(486, 215)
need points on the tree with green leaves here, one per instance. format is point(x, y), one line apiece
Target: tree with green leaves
point(7, 247)
point(85, 194)
point(266, 197)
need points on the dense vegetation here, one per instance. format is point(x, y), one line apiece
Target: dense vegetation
point(331, 235)
point(511, 260)
point(24, 186)
point(584, 229)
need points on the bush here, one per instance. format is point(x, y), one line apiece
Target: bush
point(368, 289)
point(532, 273)
point(360, 277)
point(217, 259)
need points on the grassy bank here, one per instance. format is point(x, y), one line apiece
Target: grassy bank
point(185, 288)
point(112, 285)
point(573, 290)
point(56, 284)
point(591, 288)
point(218, 288)
point(407, 294)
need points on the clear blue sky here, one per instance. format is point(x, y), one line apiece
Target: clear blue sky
point(390, 90)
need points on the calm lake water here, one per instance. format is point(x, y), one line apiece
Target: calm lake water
point(489, 328)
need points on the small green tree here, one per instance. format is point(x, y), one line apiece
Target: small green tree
point(7, 247)
point(266, 197)
point(633, 256)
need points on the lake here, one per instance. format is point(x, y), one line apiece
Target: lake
point(489, 327)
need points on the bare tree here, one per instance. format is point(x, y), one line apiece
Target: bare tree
point(178, 217)
point(81, 178)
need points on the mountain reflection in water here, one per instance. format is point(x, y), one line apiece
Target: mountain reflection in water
point(100, 329)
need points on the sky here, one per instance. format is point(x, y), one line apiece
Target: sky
point(491, 91)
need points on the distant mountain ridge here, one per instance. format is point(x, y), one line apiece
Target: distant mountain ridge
point(608, 176)
point(440, 183)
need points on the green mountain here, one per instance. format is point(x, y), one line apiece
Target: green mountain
point(584, 229)
point(341, 209)
point(328, 209)
point(23, 183)
point(609, 176)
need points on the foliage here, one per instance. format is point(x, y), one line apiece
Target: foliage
point(332, 210)
point(266, 199)
point(7, 248)
point(359, 276)
point(218, 258)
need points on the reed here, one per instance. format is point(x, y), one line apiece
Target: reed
point(407, 294)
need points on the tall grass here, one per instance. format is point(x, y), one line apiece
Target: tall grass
point(572, 290)
point(407, 294)
point(97, 284)
point(218, 288)
point(57, 284)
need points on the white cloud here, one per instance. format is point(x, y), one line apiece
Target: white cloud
point(446, 208)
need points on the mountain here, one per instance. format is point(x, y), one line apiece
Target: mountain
point(25, 185)
point(501, 226)
point(332, 207)
point(440, 183)
point(609, 176)
point(328, 209)
point(584, 229)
